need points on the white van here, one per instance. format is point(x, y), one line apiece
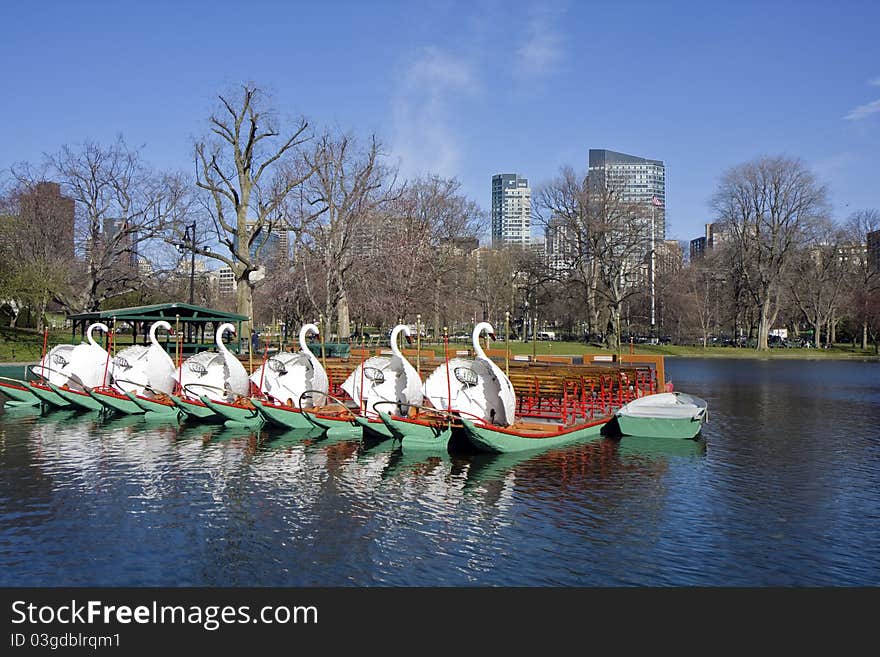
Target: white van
point(546, 335)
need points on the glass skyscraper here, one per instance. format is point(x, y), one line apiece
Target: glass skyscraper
point(511, 210)
point(636, 180)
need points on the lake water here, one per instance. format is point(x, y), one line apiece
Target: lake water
point(782, 489)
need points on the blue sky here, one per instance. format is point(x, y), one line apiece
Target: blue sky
point(469, 89)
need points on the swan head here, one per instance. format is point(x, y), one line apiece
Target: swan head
point(484, 327)
point(303, 333)
point(221, 331)
point(96, 325)
point(156, 326)
point(397, 330)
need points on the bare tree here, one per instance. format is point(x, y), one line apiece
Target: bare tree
point(865, 280)
point(767, 206)
point(605, 242)
point(119, 202)
point(350, 185)
point(817, 276)
point(249, 169)
point(430, 230)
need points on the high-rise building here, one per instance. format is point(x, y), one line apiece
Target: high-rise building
point(511, 210)
point(713, 238)
point(873, 243)
point(635, 180)
point(46, 206)
point(561, 249)
point(670, 257)
point(271, 244)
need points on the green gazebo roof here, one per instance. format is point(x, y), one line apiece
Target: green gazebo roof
point(167, 311)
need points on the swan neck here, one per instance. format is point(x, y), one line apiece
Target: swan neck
point(478, 349)
point(218, 338)
point(395, 334)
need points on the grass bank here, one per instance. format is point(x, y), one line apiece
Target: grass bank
point(838, 352)
point(26, 346)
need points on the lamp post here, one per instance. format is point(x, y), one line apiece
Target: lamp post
point(189, 237)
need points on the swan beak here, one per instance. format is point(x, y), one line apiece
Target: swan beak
point(408, 339)
point(492, 335)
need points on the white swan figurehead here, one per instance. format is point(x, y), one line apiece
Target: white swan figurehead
point(477, 387)
point(144, 370)
point(286, 376)
point(88, 361)
point(218, 375)
point(386, 379)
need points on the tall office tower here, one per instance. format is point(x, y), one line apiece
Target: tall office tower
point(511, 210)
point(873, 247)
point(636, 180)
point(561, 249)
point(45, 205)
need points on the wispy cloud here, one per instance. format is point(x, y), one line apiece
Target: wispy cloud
point(868, 109)
point(424, 107)
point(542, 48)
point(864, 111)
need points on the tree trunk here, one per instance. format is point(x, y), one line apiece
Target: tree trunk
point(244, 305)
point(864, 336)
point(41, 315)
point(764, 325)
point(817, 335)
point(343, 327)
point(436, 309)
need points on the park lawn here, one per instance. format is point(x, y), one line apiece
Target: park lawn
point(579, 348)
point(17, 345)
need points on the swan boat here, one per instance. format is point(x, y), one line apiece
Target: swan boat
point(73, 371)
point(142, 378)
point(53, 367)
point(387, 380)
point(287, 377)
point(217, 377)
point(484, 402)
point(663, 415)
point(476, 388)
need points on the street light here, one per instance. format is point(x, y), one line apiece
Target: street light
point(189, 234)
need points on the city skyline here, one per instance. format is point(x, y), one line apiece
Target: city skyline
point(444, 97)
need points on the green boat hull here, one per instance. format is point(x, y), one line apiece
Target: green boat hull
point(151, 406)
point(49, 398)
point(18, 394)
point(117, 404)
point(194, 410)
point(338, 428)
point(289, 418)
point(79, 399)
point(374, 430)
point(492, 440)
point(241, 415)
point(650, 427)
point(417, 436)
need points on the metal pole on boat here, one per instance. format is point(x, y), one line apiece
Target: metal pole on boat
point(263, 369)
point(419, 344)
point(179, 352)
point(107, 346)
point(45, 343)
point(250, 345)
point(321, 333)
point(507, 343)
point(448, 379)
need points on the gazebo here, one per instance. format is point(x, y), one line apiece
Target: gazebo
point(193, 322)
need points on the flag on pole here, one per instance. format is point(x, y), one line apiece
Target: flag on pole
point(656, 201)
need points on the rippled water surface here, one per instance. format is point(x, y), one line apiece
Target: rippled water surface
point(783, 488)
